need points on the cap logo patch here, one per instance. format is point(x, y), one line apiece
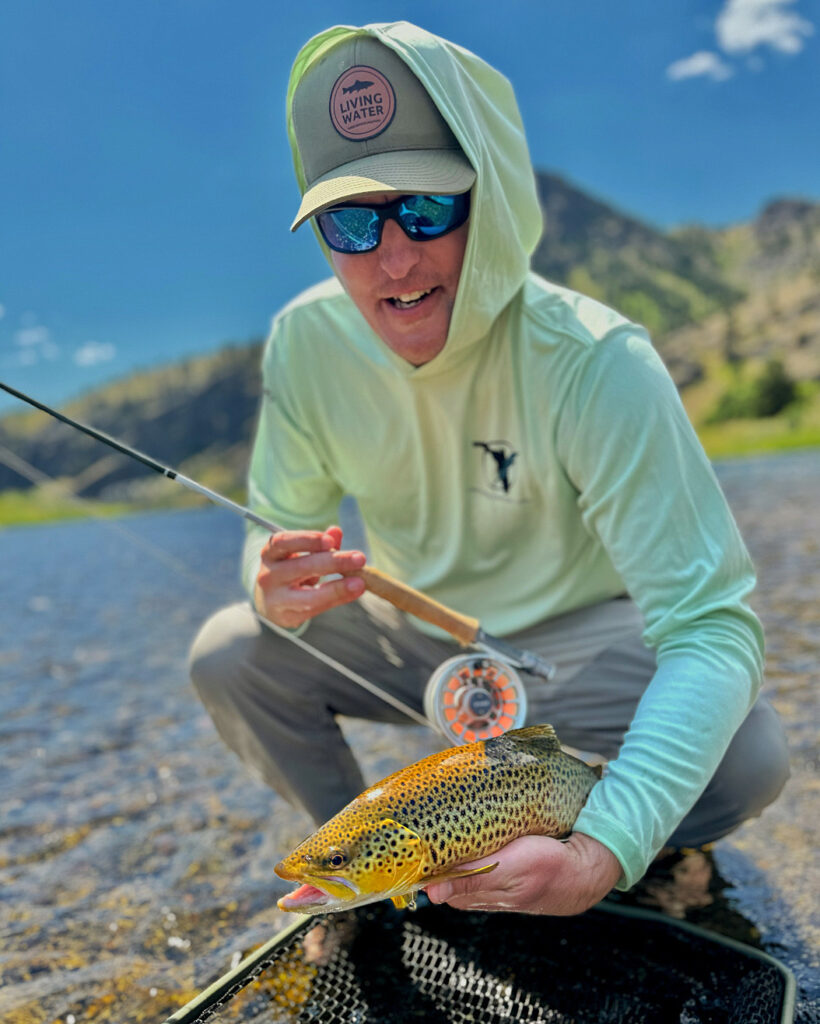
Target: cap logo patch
point(362, 103)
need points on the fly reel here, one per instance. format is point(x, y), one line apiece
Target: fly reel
point(473, 697)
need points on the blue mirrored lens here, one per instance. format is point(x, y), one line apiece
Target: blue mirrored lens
point(427, 216)
point(352, 229)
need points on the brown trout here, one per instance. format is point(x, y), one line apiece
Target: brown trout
point(418, 825)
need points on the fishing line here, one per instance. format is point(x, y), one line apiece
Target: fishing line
point(469, 698)
point(38, 477)
point(146, 460)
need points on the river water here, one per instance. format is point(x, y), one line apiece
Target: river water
point(136, 853)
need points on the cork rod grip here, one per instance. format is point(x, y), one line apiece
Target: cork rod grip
point(462, 627)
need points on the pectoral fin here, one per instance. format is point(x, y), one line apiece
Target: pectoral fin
point(408, 852)
point(409, 901)
point(409, 840)
point(448, 876)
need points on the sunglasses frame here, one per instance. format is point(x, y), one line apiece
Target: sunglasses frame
point(390, 211)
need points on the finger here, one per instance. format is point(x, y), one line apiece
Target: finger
point(439, 893)
point(294, 542)
point(335, 534)
point(467, 904)
point(463, 889)
point(300, 568)
point(489, 884)
point(307, 603)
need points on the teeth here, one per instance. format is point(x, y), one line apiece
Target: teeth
point(409, 299)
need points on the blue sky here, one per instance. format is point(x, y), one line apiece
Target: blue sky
point(147, 186)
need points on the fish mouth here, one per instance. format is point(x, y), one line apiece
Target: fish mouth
point(318, 891)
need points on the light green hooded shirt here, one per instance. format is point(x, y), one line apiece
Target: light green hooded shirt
point(608, 490)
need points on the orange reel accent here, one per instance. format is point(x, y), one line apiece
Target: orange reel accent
point(475, 697)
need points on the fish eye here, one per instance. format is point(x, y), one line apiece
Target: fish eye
point(337, 860)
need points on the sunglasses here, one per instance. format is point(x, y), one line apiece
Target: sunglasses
point(352, 229)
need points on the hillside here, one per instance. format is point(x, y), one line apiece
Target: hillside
point(660, 280)
point(197, 414)
point(725, 307)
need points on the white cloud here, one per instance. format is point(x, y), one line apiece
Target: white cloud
point(32, 336)
point(743, 25)
point(34, 343)
point(701, 63)
point(93, 352)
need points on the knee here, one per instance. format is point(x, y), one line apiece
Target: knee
point(750, 777)
point(222, 645)
point(756, 765)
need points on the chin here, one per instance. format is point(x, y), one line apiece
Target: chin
point(416, 352)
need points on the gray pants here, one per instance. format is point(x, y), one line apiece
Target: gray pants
point(276, 706)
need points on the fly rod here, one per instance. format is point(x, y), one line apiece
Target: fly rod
point(463, 628)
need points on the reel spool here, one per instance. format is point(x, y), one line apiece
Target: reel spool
point(473, 697)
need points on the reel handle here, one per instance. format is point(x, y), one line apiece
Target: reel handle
point(464, 628)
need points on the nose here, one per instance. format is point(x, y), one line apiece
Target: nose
point(398, 254)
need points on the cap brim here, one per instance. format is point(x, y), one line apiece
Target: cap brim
point(418, 171)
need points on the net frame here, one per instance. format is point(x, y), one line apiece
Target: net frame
point(482, 988)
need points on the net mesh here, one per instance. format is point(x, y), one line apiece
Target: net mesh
point(443, 966)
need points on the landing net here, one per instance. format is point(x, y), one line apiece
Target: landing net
point(441, 966)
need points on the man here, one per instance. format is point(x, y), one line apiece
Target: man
point(517, 451)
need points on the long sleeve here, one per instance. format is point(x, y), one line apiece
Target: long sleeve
point(287, 482)
point(647, 491)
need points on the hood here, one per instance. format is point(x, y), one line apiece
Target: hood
point(505, 217)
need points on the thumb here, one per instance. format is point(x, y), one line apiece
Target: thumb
point(440, 892)
point(335, 535)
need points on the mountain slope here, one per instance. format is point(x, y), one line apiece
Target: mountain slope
point(658, 279)
point(202, 407)
point(715, 300)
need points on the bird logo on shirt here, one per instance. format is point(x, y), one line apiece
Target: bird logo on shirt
point(499, 458)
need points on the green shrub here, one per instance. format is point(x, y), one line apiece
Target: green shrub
point(774, 389)
point(766, 395)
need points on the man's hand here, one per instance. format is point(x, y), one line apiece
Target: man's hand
point(536, 875)
point(288, 590)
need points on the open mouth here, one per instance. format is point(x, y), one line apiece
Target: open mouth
point(409, 299)
point(305, 896)
point(329, 890)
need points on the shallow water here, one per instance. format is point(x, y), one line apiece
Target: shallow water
point(136, 854)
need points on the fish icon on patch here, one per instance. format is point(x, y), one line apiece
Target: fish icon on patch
point(362, 103)
point(357, 86)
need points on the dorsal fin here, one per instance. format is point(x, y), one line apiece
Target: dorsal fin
point(543, 735)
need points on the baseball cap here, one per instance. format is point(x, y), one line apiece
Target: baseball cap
point(364, 123)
